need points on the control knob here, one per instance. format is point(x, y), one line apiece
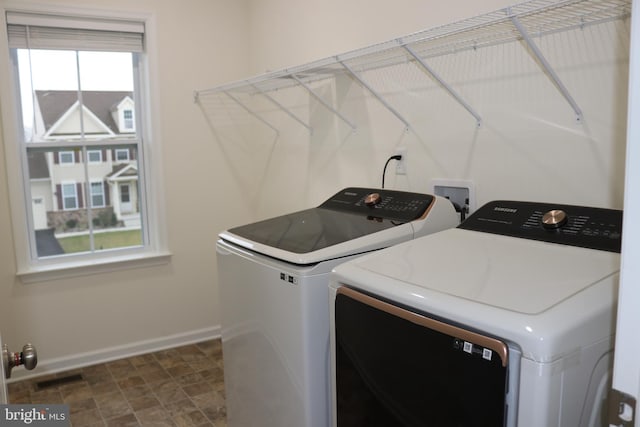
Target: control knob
point(372, 199)
point(27, 357)
point(554, 219)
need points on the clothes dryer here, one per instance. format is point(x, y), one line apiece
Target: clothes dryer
point(273, 278)
point(506, 320)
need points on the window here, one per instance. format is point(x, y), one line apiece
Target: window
point(94, 156)
point(128, 119)
point(68, 73)
point(69, 196)
point(122, 155)
point(66, 157)
point(97, 194)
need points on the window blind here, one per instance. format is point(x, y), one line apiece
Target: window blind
point(42, 31)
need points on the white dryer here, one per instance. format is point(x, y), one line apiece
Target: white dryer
point(506, 320)
point(273, 278)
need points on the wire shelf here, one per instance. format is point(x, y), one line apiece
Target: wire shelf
point(524, 21)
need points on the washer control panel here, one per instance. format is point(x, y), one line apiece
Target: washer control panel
point(380, 203)
point(588, 227)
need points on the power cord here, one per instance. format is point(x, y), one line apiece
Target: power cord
point(463, 210)
point(384, 171)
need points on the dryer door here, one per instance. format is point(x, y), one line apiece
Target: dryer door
point(396, 367)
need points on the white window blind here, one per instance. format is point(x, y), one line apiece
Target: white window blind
point(42, 31)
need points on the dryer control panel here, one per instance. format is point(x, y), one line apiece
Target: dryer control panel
point(588, 227)
point(401, 206)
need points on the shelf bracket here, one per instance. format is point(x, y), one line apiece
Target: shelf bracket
point(283, 108)
point(323, 102)
point(430, 71)
point(547, 67)
point(254, 114)
point(375, 94)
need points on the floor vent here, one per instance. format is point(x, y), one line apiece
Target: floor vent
point(59, 381)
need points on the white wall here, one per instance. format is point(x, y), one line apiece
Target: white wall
point(219, 174)
point(286, 33)
point(197, 43)
point(530, 146)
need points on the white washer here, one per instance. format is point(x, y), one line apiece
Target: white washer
point(273, 278)
point(506, 320)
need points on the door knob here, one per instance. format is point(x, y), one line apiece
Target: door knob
point(27, 357)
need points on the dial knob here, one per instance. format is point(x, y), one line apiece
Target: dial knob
point(372, 199)
point(553, 219)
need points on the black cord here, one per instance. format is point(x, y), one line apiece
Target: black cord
point(384, 171)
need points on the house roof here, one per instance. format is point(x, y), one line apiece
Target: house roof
point(123, 171)
point(55, 103)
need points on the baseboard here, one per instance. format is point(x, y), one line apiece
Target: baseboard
point(52, 366)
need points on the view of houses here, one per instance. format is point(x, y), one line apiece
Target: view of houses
point(73, 192)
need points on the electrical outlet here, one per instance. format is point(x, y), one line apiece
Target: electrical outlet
point(401, 165)
point(461, 193)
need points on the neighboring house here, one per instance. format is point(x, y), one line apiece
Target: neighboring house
point(60, 193)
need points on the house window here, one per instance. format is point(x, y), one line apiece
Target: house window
point(69, 196)
point(122, 155)
point(94, 156)
point(68, 72)
point(97, 194)
point(128, 119)
point(66, 157)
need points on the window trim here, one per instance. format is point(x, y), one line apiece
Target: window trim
point(64, 197)
point(93, 182)
point(156, 252)
point(94, 162)
point(129, 122)
point(65, 163)
point(121, 150)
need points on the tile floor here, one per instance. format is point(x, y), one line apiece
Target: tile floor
point(177, 387)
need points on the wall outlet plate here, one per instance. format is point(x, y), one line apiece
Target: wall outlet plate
point(460, 192)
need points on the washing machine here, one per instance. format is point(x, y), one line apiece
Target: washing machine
point(507, 319)
point(273, 279)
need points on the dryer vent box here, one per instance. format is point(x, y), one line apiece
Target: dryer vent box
point(460, 192)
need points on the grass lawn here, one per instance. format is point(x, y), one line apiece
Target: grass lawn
point(108, 240)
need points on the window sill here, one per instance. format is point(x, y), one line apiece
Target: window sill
point(89, 267)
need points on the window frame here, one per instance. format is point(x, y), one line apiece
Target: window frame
point(129, 122)
point(94, 162)
point(155, 248)
point(74, 196)
point(67, 152)
point(116, 152)
point(99, 182)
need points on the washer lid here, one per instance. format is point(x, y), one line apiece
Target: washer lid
point(352, 221)
point(514, 274)
point(299, 239)
point(311, 229)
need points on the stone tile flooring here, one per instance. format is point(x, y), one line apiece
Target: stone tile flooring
point(177, 387)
